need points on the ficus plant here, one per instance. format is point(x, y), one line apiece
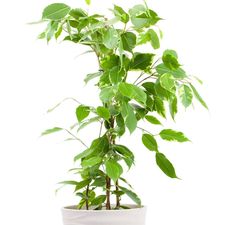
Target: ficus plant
point(134, 86)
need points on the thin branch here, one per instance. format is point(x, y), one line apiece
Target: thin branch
point(146, 131)
point(125, 26)
point(141, 74)
point(146, 78)
point(58, 104)
point(101, 125)
point(155, 63)
point(76, 138)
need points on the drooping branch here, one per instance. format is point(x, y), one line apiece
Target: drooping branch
point(78, 139)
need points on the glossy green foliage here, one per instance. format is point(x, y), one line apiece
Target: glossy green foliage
point(134, 88)
point(150, 142)
point(56, 11)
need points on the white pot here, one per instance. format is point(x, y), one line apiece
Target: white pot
point(133, 216)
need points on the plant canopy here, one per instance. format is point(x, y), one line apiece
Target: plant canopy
point(133, 87)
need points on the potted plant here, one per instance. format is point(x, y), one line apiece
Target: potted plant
point(158, 82)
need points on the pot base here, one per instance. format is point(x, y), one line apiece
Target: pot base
point(133, 216)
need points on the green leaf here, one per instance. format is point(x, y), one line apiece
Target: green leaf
point(126, 182)
point(92, 76)
point(128, 41)
point(152, 120)
point(99, 182)
point(98, 147)
point(105, 79)
point(107, 94)
point(91, 161)
point(109, 62)
point(103, 112)
point(51, 30)
point(149, 142)
point(111, 38)
point(131, 195)
point(133, 92)
point(82, 184)
point(71, 24)
point(149, 87)
point(154, 40)
point(116, 75)
point(120, 125)
point(129, 117)
point(140, 113)
point(162, 92)
point(170, 59)
point(50, 131)
point(198, 79)
point(143, 38)
point(137, 10)
point(58, 32)
point(167, 81)
point(113, 169)
point(141, 61)
point(173, 107)
point(82, 112)
point(42, 35)
point(87, 122)
point(99, 200)
point(198, 97)
point(83, 154)
point(186, 95)
point(161, 33)
point(119, 12)
point(69, 182)
point(165, 165)
point(149, 103)
point(159, 106)
point(177, 73)
point(142, 17)
point(126, 153)
point(56, 11)
point(172, 135)
point(123, 150)
point(78, 13)
point(88, 2)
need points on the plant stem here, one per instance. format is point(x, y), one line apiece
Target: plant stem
point(108, 180)
point(124, 29)
point(116, 184)
point(87, 197)
point(117, 196)
point(108, 186)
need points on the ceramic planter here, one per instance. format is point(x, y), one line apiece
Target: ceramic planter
point(133, 216)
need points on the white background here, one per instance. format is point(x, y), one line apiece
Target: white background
point(34, 77)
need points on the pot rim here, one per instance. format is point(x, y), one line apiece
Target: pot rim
point(135, 207)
